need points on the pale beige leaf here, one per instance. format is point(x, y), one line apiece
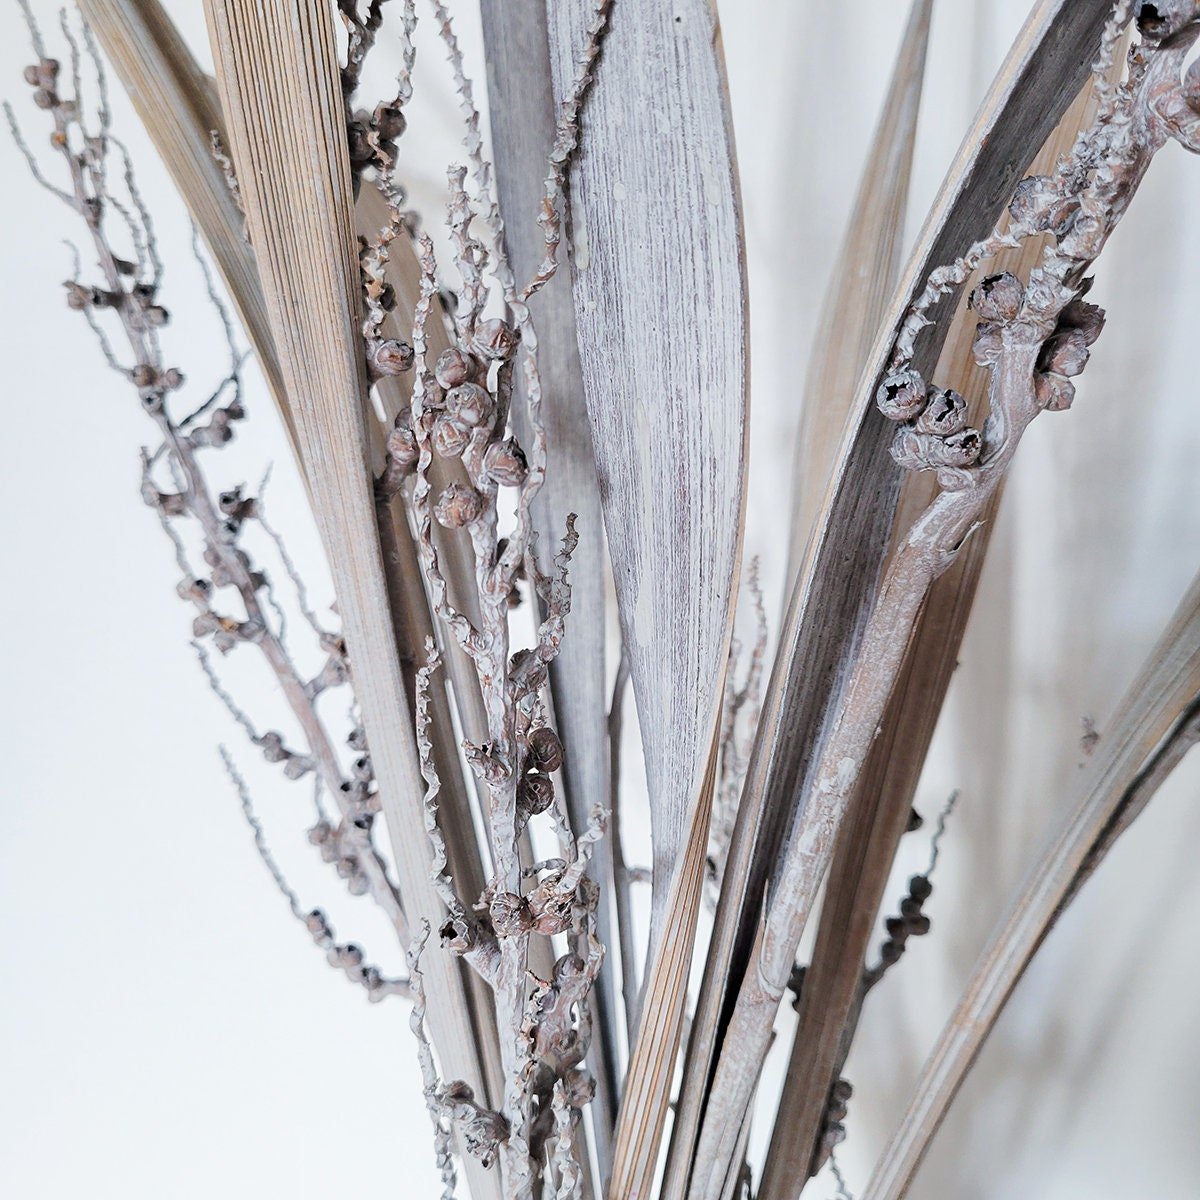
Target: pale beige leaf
point(1156, 723)
point(281, 92)
point(659, 292)
point(1041, 75)
point(865, 273)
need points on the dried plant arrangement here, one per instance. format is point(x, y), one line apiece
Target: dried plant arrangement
point(514, 415)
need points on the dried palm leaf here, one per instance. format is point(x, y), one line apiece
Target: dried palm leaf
point(659, 297)
point(1155, 725)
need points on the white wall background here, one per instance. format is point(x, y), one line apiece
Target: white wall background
point(168, 1031)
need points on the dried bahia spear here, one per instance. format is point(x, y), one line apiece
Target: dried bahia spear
point(430, 520)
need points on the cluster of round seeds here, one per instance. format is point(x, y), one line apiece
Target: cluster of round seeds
point(911, 922)
point(933, 433)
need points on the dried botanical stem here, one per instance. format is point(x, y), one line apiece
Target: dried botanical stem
point(1156, 724)
point(1041, 74)
point(1030, 337)
point(879, 809)
point(179, 108)
point(524, 137)
point(282, 95)
point(621, 874)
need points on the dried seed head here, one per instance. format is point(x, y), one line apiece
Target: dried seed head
point(389, 121)
point(453, 367)
point(495, 340)
point(919, 888)
point(1055, 393)
point(901, 395)
point(459, 505)
point(958, 450)
point(44, 99)
point(946, 413)
point(505, 462)
point(144, 375)
point(1066, 353)
point(450, 437)
point(1155, 21)
point(402, 448)
point(998, 298)
point(31, 75)
point(545, 750)
point(156, 315)
point(509, 914)
point(469, 404)
point(173, 378)
point(391, 357)
point(535, 793)
point(1087, 318)
point(918, 451)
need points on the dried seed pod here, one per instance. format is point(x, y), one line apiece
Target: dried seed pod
point(44, 98)
point(946, 413)
point(545, 750)
point(495, 340)
point(505, 462)
point(389, 121)
point(173, 378)
point(31, 75)
point(1055, 393)
point(908, 449)
point(550, 909)
point(144, 375)
point(402, 446)
point(920, 888)
point(469, 404)
point(509, 914)
point(156, 315)
point(453, 367)
point(458, 505)
point(1087, 318)
point(391, 357)
point(450, 438)
point(988, 343)
point(998, 297)
point(958, 450)
point(535, 793)
point(1066, 353)
point(901, 395)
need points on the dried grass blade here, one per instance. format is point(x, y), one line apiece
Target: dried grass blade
point(279, 80)
point(868, 265)
point(179, 108)
point(523, 124)
point(882, 801)
point(1041, 75)
point(1157, 722)
point(659, 295)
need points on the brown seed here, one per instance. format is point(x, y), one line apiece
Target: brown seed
point(450, 438)
point(946, 413)
point(901, 395)
point(458, 505)
point(545, 750)
point(505, 462)
point(469, 404)
point(535, 793)
point(402, 445)
point(999, 298)
point(1055, 393)
point(173, 378)
point(392, 357)
point(144, 375)
point(510, 914)
point(495, 340)
point(453, 367)
point(44, 99)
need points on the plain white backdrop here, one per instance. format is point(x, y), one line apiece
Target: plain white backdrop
point(169, 1030)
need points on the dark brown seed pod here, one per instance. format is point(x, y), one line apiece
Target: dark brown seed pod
point(458, 505)
point(920, 888)
point(391, 357)
point(389, 121)
point(450, 438)
point(535, 793)
point(495, 340)
point(469, 404)
point(958, 450)
point(998, 297)
point(901, 395)
point(505, 462)
point(545, 750)
point(402, 445)
point(946, 413)
point(144, 375)
point(453, 367)
point(44, 99)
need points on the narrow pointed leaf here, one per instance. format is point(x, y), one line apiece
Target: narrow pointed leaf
point(659, 289)
point(1041, 75)
point(1157, 722)
point(281, 93)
